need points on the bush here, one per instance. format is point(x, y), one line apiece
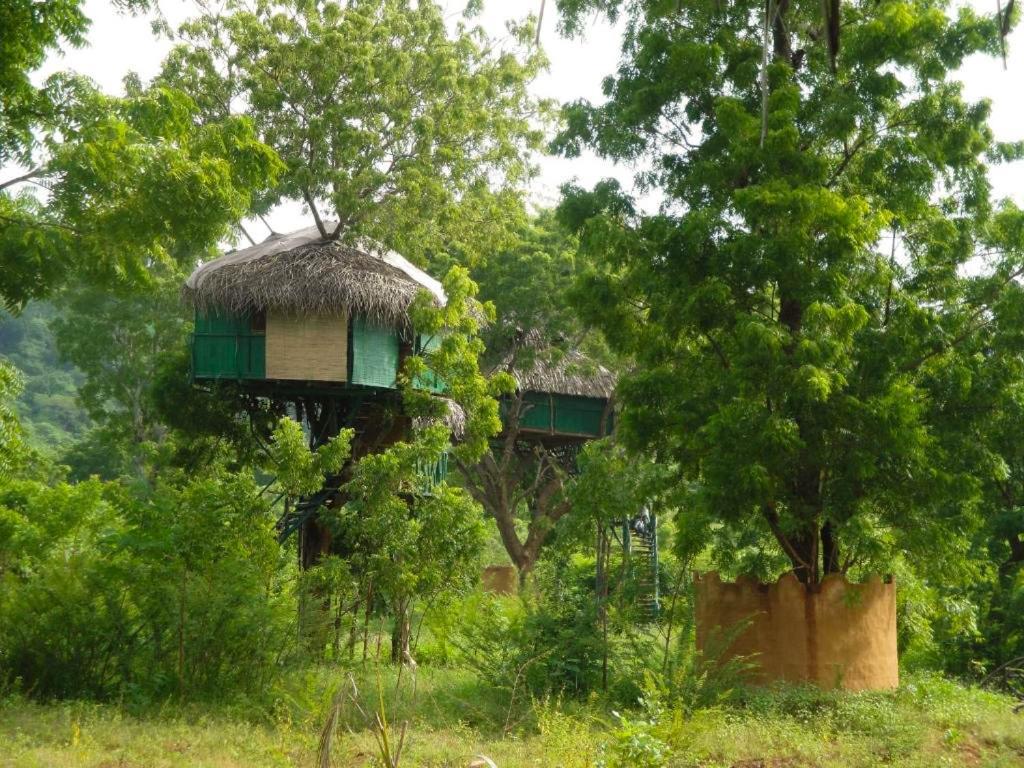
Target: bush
point(534, 644)
point(108, 593)
point(549, 641)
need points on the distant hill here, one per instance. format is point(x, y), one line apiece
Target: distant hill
point(48, 407)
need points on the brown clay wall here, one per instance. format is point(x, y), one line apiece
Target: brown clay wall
point(838, 635)
point(500, 579)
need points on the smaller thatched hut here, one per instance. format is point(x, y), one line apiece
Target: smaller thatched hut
point(298, 308)
point(561, 396)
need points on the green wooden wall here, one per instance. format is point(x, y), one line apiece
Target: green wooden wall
point(562, 414)
point(225, 347)
point(430, 381)
point(374, 354)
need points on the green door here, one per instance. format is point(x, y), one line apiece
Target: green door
point(226, 346)
point(374, 354)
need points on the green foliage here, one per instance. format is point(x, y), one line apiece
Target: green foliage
point(397, 127)
point(550, 641)
point(633, 743)
point(409, 538)
point(409, 544)
point(528, 284)
point(610, 487)
point(117, 341)
point(299, 471)
point(456, 362)
point(32, 32)
point(173, 587)
point(127, 183)
point(532, 647)
point(10, 427)
point(783, 359)
point(131, 183)
point(107, 593)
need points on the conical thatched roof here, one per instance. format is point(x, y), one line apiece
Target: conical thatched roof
point(301, 273)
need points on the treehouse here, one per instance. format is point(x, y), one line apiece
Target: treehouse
point(320, 329)
point(563, 401)
point(300, 315)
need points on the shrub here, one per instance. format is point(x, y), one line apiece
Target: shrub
point(106, 592)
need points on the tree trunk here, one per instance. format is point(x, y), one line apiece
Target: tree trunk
point(830, 550)
point(401, 635)
point(603, 546)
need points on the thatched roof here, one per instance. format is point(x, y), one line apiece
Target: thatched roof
point(573, 374)
point(301, 273)
point(539, 367)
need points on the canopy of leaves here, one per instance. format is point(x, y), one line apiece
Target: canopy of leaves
point(299, 471)
point(48, 406)
point(391, 126)
point(118, 184)
point(10, 428)
point(782, 351)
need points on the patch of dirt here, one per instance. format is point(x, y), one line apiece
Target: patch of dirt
point(970, 754)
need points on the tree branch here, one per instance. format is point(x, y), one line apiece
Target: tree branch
point(34, 173)
point(316, 214)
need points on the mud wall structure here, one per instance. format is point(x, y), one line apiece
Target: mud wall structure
point(500, 579)
point(838, 635)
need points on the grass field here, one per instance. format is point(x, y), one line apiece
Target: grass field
point(451, 719)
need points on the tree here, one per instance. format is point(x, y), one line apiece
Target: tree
point(826, 243)
point(978, 403)
point(409, 536)
point(516, 480)
point(117, 341)
point(11, 439)
point(101, 188)
point(528, 283)
point(128, 183)
point(391, 127)
point(47, 407)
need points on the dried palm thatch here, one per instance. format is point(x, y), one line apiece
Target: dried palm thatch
point(539, 367)
point(454, 418)
point(572, 374)
point(303, 274)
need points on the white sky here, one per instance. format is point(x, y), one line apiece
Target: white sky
point(119, 44)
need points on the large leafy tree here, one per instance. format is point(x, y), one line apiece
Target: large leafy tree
point(100, 188)
point(826, 244)
point(117, 342)
point(521, 484)
point(981, 400)
point(392, 126)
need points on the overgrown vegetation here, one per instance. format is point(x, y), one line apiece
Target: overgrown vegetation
point(453, 718)
point(816, 348)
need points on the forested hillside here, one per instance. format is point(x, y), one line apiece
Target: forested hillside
point(48, 406)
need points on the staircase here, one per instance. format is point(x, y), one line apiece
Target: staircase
point(642, 550)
